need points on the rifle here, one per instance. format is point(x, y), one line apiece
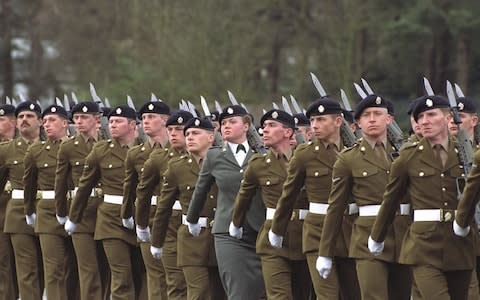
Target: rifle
point(71, 128)
point(346, 106)
point(103, 119)
point(299, 136)
point(218, 137)
point(141, 134)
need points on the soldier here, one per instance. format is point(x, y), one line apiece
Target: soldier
point(416, 130)
point(39, 179)
point(105, 165)
point(310, 168)
point(468, 114)
point(285, 271)
point(427, 171)
point(92, 266)
point(150, 184)
point(8, 284)
point(239, 266)
point(154, 115)
point(302, 124)
point(361, 172)
point(196, 255)
point(26, 247)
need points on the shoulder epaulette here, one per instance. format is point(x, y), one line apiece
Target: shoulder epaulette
point(350, 148)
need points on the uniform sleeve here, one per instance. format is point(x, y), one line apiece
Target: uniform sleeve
point(129, 185)
point(291, 190)
point(170, 190)
point(248, 189)
point(149, 180)
point(3, 167)
point(62, 174)
point(338, 200)
point(202, 188)
point(470, 195)
point(88, 180)
point(30, 181)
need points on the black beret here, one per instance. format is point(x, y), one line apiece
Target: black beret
point(155, 107)
point(180, 117)
point(106, 111)
point(427, 103)
point(7, 109)
point(465, 104)
point(301, 120)
point(348, 116)
point(87, 107)
point(279, 116)
point(200, 123)
point(390, 108)
point(215, 116)
point(55, 110)
point(232, 111)
point(323, 106)
point(30, 106)
point(123, 111)
point(370, 101)
point(412, 104)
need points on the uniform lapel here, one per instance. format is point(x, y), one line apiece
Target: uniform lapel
point(370, 156)
point(428, 156)
point(452, 159)
point(118, 151)
point(228, 155)
point(274, 165)
point(320, 154)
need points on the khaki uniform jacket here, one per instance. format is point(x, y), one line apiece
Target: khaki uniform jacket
point(430, 186)
point(70, 164)
point(360, 174)
point(179, 183)
point(311, 169)
point(268, 173)
point(12, 156)
point(104, 164)
point(470, 197)
point(40, 165)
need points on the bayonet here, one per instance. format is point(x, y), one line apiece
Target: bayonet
point(244, 107)
point(8, 101)
point(14, 102)
point(218, 137)
point(345, 101)
point(74, 98)
point(22, 98)
point(153, 98)
point(130, 102)
point(295, 105)
point(66, 103)
point(428, 87)
point(318, 85)
point(107, 102)
point(367, 87)
point(206, 110)
point(192, 110)
point(359, 90)
point(275, 105)
point(286, 106)
point(58, 102)
point(232, 98)
point(218, 107)
point(459, 91)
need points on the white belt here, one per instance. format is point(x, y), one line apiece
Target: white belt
point(47, 195)
point(17, 194)
point(438, 215)
point(113, 199)
point(372, 210)
point(75, 190)
point(153, 201)
point(177, 205)
point(302, 213)
point(202, 221)
point(318, 208)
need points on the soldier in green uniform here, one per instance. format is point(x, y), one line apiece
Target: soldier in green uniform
point(105, 165)
point(302, 124)
point(467, 111)
point(196, 255)
point(8, 283)
point(26, 247)
point(92, 266)
point(39, 179)
point(427, 171)
point(285, 270)
point(362, 172)
point(150, 185)
point(154, 116)
point(310, 168)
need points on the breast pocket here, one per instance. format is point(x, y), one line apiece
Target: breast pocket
point(318, 180)
point(421, 173)
point(77, 164)
point(114, 168)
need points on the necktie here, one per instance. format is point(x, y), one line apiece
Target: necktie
point(382, 154)
point(437, 150)
point(90, 143)
point(241, 147)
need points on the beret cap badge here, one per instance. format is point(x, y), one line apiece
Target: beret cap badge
point(275, 115)
point(180, 120)
point(118, 111)
point(378, 101)
point(32, 106)
point(85, 109)
point(461, 106)
point(321, 108)
point(53, 109)
point(2, 112)
point(197, 122)
point(429, 102)
point(230, 110)
point(151, 106)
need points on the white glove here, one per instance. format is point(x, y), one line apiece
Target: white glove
point(194, 228)
point(70, 227)
point(375, 248)
point(460, 231)
point(128, 223)
point(324, 266)
point(61, 220)
point(275, 239)
point(156, 252)
point(143, 234)
point(30, 219)
point(235, 231)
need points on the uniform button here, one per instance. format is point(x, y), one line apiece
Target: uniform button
point(188, 187)
point(211, 197)
point(268, 160)
point(364, 173)
point(214, 209)
point(190, 161)
point(171, 154)
point(362, 149)
point(48, 147)
point(110, 166)
point(442, 175)
point(15, 162)
point(141, 170)
point(19, 143)
point(45, 165)
point(241, 170)
point(388, 171)
point(420, 147)
point(268, 182)
point(445, 203)
point(143, 148)
point(112, 145)
point(443, 189)
point(317, 148)
point(76, 142)
point(77, 163)
point(316, 174)
point(463, 175)
point(421, 174)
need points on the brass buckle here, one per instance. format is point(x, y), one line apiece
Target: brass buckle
point(294, 215)
point(446, 215)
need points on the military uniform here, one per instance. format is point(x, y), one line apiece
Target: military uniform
point(92, 265)
point(196, 255)
point(61, 280)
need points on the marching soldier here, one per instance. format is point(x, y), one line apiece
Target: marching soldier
point(442, 263)
point(150, 185)
point(416, 130)
point(302, 123)
point(105, 165)
point(468, 114)
point(196, 255)
point(239, 266)
point(39, 179)
point(361, 172)
point(285, 271)
point(92, 266)
point(311, 167)
point(7, 122)
point(26, 246)
point(154, 115)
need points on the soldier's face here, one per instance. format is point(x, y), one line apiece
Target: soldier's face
point(274, 133)
point(434, 122)
point(198, 140)
point(153, 124)
point(28, 122)
point(120, 126)
point(325, 126)
point(469, 121)
point(7, 124)
point(307, 132)
point(55, 126)
point(85, 123)
point(417, 129)
point(373, 121)
point(175, 136)
point(234, 129)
